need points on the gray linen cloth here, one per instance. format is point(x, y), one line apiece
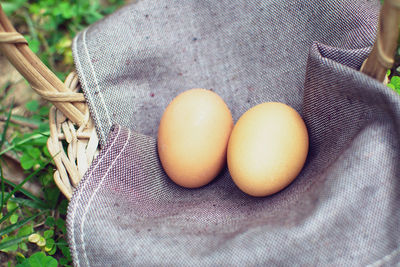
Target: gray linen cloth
point(342, 210)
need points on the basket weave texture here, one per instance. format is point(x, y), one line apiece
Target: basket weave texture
point(82, 144)
point(73, 141)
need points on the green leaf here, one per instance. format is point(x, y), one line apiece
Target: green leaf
point(60, 223)
point(39, 259)
point(25, 230)
point(34, 153)
point(93, 16)
point(48, 234)
point(11, 205)
point(23, 246)
point(8, 244)
point(32, 105)
point(19, 224)
point(62, 208)
point(4, 244)
point(42, 140)
point(66, 11)
point(52, 251)
point(63, 261)
point(29, 138)
point(10, 8)
point(44, 127)
point(46, 152)
point(44, 111)
point(36, 117)
point(34, 45)
point(14, 218)
point(27, 161)
point(5, 217)
point(61, 75)
point(65, 252)
point(52, 194)
point(20, 257)
point(395, 80)
point(49, 244)
point(47, 180)
point(50, 221)
point(34, 8)
point(50, 26)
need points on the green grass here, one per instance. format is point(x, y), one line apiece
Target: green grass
point(32, 228)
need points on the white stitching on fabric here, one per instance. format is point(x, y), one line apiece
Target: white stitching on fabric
point(97, 87)
point(74, 250)
point(82, 74)
point(95, 192)
point(385, 259)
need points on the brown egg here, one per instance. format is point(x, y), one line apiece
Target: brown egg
point(267, 149)
point(193, 137)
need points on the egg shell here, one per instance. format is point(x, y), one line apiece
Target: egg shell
point(267, 148)
point(193, 136)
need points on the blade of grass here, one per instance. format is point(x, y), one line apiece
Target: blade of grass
point(2, 187)
point(31, 26)
point(19, 186)
point(19, 224)
point(3, 139)
point(30, 138)
point(3, 136)
point(8, 215)
point(30, 203)
point(23, 191)
point(22, 122)
point(11, 242)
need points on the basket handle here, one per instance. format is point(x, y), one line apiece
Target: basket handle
point(14, 46)
point(382, 55)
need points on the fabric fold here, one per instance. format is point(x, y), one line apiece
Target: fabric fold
point(343, 208)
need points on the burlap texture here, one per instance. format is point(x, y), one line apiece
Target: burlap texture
point(342, 210)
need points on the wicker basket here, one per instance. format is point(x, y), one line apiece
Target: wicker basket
point(70, 120)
